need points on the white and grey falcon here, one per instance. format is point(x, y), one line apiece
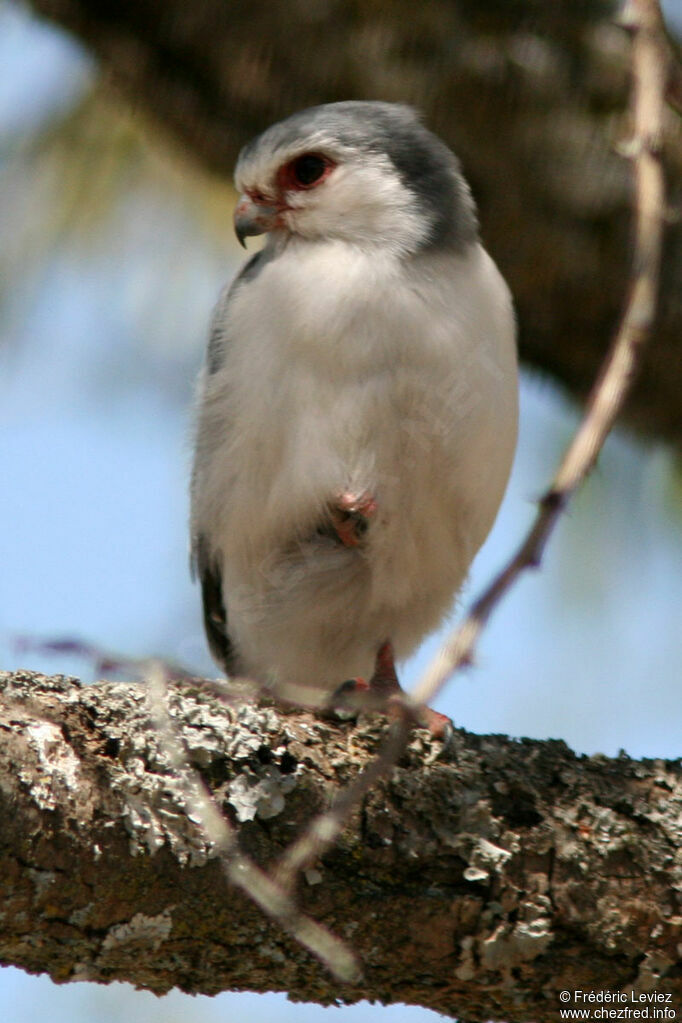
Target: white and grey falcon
point(358, 407)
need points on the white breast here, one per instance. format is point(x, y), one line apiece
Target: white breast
point(346, 370)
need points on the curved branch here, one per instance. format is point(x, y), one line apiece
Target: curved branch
point(607, 397)
point(478, 882)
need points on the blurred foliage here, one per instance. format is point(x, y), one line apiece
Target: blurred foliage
point(69, 180)
point(531, 95)
point(90, 193)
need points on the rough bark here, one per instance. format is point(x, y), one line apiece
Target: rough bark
point(530, 94)
point(479, 881)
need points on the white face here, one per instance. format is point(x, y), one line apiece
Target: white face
point(321, 190)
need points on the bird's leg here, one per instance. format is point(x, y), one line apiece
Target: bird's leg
point(350, 698)
point(350, 515)
point(384, 681)
point(373, 695)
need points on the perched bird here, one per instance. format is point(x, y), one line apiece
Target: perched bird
point(358, 406)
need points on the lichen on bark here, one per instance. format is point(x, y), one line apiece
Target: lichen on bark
point(478, 880)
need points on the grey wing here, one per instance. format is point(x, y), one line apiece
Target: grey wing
point(217, 339)
point(205, 565)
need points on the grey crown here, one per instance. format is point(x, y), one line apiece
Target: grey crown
point(427, 167)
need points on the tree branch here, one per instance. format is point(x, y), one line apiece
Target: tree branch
point(221, 838)
point(531, 95)
point(478, 882)
point(480, 888)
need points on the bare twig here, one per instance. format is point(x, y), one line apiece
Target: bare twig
point(239, 869)
point(668, 47)
point(650, 67)
point(326, 827)
point(103, 662)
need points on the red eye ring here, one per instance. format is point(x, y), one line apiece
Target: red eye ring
point(306, 171)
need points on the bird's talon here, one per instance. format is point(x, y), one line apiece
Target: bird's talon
point(440, 725)
point(385, 681)
point(346, 699)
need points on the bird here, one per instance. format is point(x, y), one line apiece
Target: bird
point(357, 409)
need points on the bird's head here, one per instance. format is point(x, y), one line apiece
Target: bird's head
point(366, 173)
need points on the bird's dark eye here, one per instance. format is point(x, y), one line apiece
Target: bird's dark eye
point(307, 170)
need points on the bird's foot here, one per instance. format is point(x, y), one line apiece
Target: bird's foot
point(349, 698)
point(351, 514)
point(356, 694)
point(438, 724)
point(385, 681)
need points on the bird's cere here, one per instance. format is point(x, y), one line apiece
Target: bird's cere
point(253, 216)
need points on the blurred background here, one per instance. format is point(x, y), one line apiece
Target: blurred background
point(115, 243)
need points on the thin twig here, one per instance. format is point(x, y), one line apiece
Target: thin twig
point(324, 829)
point(222, 837)
point(650, 72)
point(103, 662)
point(669, 51)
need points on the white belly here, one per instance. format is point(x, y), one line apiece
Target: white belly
point(318, 403)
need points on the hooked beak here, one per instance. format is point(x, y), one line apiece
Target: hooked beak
point(252, 217)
